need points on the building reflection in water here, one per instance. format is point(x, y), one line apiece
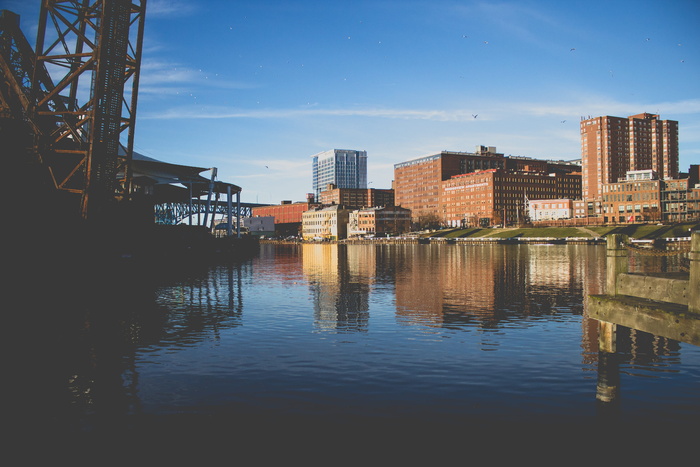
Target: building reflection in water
point(338, 278)
point(491, 283)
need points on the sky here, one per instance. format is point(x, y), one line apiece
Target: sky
point(255, 88)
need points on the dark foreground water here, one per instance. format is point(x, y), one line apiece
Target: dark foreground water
point(338, 339)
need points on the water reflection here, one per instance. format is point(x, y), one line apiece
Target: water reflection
point(498, 331)
point(339, 279)
point(492, 284)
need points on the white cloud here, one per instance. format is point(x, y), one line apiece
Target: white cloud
point(169, 8)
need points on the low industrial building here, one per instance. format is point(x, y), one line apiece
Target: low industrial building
point(379, 221)
point(287, 215)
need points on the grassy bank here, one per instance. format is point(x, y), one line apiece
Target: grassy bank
point(637, 231)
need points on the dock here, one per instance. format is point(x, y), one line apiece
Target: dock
point(665, 304)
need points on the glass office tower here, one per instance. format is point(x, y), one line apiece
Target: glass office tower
point(344, 168)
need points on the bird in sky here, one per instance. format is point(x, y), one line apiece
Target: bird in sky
point(475, 115)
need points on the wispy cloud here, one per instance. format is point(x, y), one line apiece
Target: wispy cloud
point(169, 8)
point(162, 76)
point(405, 114)
point(494, 112)
point(605, 106)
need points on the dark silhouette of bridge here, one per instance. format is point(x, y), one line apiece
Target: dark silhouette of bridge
point(74, 160)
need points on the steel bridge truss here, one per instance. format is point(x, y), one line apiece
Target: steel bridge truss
point(197, 211)
point(91, 50)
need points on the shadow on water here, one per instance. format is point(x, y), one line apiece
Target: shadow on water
point(81, 308)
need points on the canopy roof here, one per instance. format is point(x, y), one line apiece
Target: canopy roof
point(165, 177)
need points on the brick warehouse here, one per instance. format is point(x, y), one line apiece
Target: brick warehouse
point(481, 188)
point(499, 196)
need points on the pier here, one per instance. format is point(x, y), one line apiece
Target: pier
point(665, 304)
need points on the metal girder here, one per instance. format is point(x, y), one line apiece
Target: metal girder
point(92, 53)
point(174, 213)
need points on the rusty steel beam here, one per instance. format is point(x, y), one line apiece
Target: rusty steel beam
point(92, 51)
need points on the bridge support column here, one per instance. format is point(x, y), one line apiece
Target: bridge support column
point(229, 212)
point(238, 214)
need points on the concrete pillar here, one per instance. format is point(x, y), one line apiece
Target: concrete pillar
point(694, 279)
point(617, 261)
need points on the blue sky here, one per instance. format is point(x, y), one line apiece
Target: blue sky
point(256, 87)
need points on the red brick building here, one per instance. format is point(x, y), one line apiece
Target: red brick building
point(417, 183)
point(481, 188)
point(498, 196)
point(287, 215)
point(357, 197)
point(612, 146)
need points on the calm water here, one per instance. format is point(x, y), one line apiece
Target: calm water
point(417, 333)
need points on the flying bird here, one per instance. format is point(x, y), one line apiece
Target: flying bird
point(572, 49)
point(475, 115)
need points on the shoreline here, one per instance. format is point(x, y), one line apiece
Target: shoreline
point(482, 241)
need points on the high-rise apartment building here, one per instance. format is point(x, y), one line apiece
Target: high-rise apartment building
point(612, 146)
point(344, 168)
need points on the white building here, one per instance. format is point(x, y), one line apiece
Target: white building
point(344, 168)
point(550, 209)
point(325, 223)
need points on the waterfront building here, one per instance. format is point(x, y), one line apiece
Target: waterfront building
point(417, 182)
point(550, 209)
point(431, 186)
point(344, 168)
point(357, 197)
point(287, 215)
point(259, 225)
point(325, 223)
point(379, 221)
point(641, 196)
point(499, 196)
point(611, 146)
point(635, 198)
point(674, 200)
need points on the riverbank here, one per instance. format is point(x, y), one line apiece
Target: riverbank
point(642, 233)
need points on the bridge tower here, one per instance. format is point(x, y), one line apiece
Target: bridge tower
point(83, 96)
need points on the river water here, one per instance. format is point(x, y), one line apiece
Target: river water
point(429, 335)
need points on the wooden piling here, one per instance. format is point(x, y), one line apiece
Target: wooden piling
point(694, 278)
point(617, 262)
